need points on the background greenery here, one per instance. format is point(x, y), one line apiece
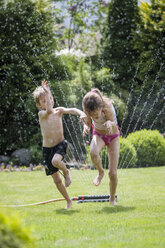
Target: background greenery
point(118, 48)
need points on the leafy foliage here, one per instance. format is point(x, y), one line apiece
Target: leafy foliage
point(118, 52)
point(128, 156)
point(28, 37)
point(27, 56)
point(150, 46)
point(83, 22)
point(149, 40)
point(36, 153)
point(13, 233)
point(150, 147)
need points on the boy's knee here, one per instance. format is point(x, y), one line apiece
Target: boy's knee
point(55, 161)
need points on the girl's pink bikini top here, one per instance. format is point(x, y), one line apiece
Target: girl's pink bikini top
point(101, 120)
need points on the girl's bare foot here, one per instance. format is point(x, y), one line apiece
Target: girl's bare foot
point(69, 204)
point(98, 179)
point(112, 202)
point(67, 178)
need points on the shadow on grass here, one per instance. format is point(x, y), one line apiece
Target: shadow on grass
point(66, 211)
point(117, 209)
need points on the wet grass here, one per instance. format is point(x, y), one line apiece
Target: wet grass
point(138, 220)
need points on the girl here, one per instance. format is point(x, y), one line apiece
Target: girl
point(101, 115)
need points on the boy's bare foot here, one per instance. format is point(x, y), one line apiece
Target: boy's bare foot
point(98, 179)
point(69, 204)
point(67, 179)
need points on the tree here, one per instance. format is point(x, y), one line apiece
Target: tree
point(150, 46)
point(27, 55)
point(149, 39)
point(83, 21)
point(118, 52)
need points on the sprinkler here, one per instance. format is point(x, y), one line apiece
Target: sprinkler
point(79, 199)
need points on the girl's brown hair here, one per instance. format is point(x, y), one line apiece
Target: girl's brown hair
point(94, 100)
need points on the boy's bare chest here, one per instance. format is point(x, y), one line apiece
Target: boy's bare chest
point(52, 121)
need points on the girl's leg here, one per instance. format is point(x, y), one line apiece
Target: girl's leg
point(96, 145)
point(113, 155)
point(58, 163)
point(61, 188)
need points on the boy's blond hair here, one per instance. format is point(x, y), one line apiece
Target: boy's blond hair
point(37, 93)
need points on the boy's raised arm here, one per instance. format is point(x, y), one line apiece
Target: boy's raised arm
point(48, 96)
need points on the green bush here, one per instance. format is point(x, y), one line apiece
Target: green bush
point(36, 154)
point(128, 156)
point(150, 147)
point(13, 234)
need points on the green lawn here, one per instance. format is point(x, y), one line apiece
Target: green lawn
point(137, 222)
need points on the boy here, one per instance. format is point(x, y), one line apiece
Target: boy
point(54, 145)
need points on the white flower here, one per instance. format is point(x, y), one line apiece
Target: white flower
point(72, 51)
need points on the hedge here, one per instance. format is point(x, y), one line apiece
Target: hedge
point(128, 155)
point(150, 147)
